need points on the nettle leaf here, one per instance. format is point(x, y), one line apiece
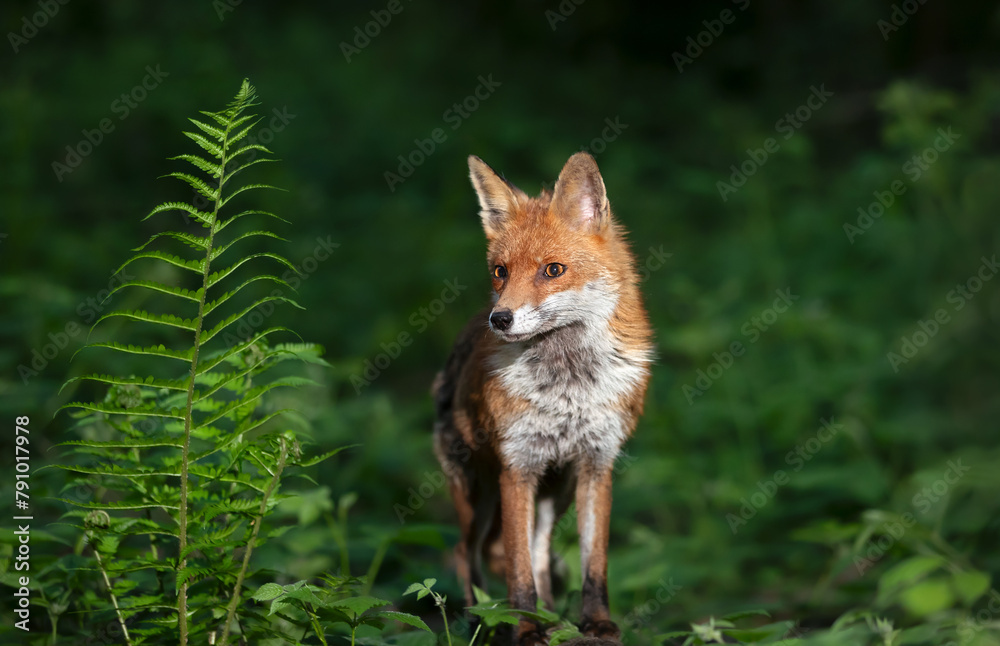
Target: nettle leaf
point(307, 594)
point(408, 619)
point(494, 614)
point(541, 615)
point(358, 605)
point(268, 591)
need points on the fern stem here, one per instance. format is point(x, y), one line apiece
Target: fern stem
point(188, 414)
point(114, 599)
point(234, 600)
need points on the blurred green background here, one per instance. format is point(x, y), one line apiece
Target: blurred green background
point(703, 523)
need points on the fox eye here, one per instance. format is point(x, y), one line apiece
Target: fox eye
point(500, 272)
point(554, 269)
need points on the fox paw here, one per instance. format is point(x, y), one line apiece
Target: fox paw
point(604, 629)
point(532, 638)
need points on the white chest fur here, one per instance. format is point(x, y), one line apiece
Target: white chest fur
point(574, 379)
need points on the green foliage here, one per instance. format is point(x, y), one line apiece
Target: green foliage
point(177, 505)
point(814, 556)
point(320, 608)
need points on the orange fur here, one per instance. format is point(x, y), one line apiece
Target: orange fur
point(516, 420)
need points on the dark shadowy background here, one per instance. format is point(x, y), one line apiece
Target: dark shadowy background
point(703, 523)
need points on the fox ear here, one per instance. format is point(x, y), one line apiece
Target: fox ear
point(497, 197)
point(579, 194)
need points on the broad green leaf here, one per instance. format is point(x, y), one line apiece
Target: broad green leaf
point(268, 591)
point(408, 619)
point(540, 615)
point(495, 615)
point(306, 594)
point(927, 597)
point(906, 574)
point(971, 585)
point(358, 605)
point(736, 616)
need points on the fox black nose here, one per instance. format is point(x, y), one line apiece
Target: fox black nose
point(501, 319)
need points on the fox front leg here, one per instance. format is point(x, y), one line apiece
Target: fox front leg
point(517, 503)
point(593, 504)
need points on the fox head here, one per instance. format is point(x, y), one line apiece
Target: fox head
point(557, 259)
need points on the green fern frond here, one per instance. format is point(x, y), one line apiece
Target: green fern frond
point(193, 453)
point(168, 320)
point(237, 170)
point(213, 170)
point(205, 218)
point(197, 184)
point(116, 506)
point(121, 472)
point(233, 292)
point(233, 318)
point(222, 224)
point(211, 131)
point(218, 251)
point(123, 444)
point(199, 243)
point(216, 277)
point(244, 188)
point(228, 354)
point(108, 409)
point(152, 350)
point(179, 292)
point(152, 382)
point(195, 266)
point(240, 134)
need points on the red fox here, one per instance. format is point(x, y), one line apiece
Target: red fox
point(542, 389)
